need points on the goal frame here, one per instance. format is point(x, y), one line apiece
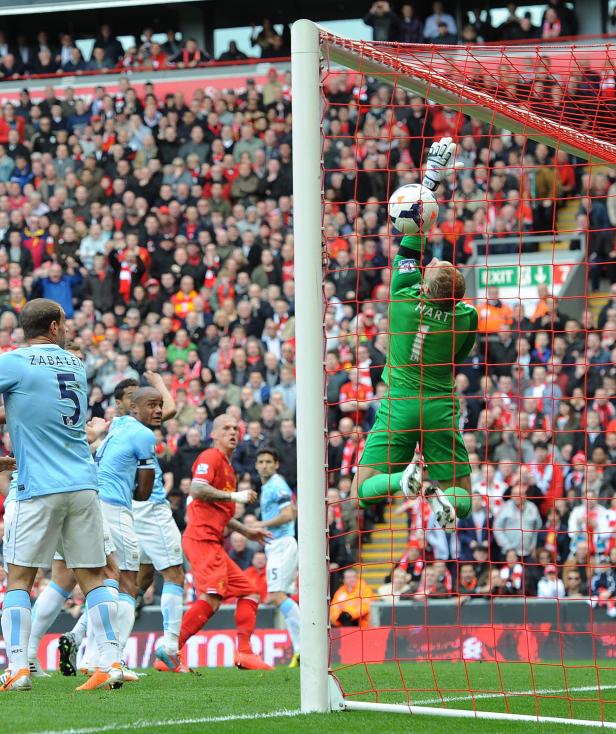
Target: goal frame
point(320, 692)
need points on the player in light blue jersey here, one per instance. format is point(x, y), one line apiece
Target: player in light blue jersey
point(51, 600)
point(68, 644)
point(127, 465)
point(160, 542)
point(45, 399)
point(278, 516)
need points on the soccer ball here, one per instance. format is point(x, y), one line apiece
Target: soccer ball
point(413, 209)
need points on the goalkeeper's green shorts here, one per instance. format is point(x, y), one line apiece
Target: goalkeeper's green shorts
point(403, 421)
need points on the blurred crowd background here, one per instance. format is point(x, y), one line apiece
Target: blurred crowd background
point(163, 225)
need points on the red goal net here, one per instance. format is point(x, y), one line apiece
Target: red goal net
point(513, 611)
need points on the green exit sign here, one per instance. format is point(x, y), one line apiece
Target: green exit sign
point(514, 276)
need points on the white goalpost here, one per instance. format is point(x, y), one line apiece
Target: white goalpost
point(311, 449)
point(320, 691)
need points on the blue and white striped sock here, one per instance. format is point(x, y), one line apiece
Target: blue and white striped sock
point(16, 624)
point(83, 628)
point(172, 608)
point(102, 619)
point(114, 590)
point(44, 612)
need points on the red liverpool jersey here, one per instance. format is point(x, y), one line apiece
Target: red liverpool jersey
point(207, 520)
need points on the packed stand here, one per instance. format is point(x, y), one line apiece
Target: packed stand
point(45, 56)
point(165, 232)
point(537, 393)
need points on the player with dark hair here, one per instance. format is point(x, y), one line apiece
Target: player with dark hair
point(69, 643)
point(160, 542)
point(278, 516)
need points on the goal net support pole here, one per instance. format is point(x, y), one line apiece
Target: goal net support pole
point(312, 518)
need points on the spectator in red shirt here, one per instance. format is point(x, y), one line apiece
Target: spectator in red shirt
point(355, 397)
point(10, 121)
point(452, 227)
point(157, 58)
point(183, 300)
point(566, 172)
point(604, 407)
point(365, 323)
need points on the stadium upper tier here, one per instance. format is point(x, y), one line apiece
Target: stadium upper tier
point(14, 75)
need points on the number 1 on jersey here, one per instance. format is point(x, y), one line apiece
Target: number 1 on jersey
point(418, 342)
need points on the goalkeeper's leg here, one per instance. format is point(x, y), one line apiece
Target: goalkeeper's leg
point(446, 460)
point(438, 497)
point(372, 486)
point(389, 446)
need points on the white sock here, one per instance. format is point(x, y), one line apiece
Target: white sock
point(44, 612)
point(102, 618)
point(90, 658)
point(16, 624)
point(80, 629)
point(172, 608)
point(126, 619)
point(290, 612)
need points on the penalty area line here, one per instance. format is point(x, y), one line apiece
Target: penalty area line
point(173, 722)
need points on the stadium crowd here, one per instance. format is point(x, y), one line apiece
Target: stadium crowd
point(163, 226)
point(44, 56)
point(406, 23)
point(536, 395)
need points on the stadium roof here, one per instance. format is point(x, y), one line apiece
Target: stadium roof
point(25, 7)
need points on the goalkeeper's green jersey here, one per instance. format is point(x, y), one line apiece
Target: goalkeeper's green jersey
point(425, 341)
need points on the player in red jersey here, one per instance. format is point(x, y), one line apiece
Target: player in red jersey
point(216, 576)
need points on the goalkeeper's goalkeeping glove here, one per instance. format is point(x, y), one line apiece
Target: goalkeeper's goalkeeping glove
point(439, 163)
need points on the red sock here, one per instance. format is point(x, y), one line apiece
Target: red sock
point(245, 622)
point(194, 619)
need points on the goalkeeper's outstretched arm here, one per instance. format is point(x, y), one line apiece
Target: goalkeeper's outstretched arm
point(440, 161)
point(407, 266)
point(408, 261)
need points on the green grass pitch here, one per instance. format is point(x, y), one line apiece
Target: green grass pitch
point(229, 700)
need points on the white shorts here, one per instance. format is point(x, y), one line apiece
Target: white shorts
point(9, 511)
point(281, 554)
point(159, 538)
point(109, 546)
point(70, 523)
point(122, 532)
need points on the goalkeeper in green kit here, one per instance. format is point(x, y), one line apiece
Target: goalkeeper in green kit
point(430, 330)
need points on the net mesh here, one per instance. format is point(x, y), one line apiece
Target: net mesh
point(513, 611)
